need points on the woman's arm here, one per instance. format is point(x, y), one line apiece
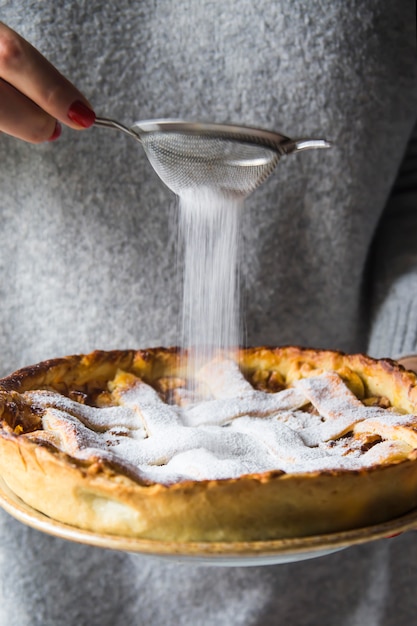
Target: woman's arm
point(393, 277)
point(34, 97)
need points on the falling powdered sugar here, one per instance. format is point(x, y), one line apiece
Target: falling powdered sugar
point(209, 233)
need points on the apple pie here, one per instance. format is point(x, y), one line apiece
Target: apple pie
point(265, 443)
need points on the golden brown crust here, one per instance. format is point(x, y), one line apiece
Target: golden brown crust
point(94, 494)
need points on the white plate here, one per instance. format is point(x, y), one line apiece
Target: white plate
point(218, 554)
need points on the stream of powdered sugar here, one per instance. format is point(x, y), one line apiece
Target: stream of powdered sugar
point(210, 234)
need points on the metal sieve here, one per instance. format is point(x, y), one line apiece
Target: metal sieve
point(230, 159)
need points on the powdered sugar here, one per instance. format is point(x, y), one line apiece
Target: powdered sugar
point(224, 437)
point(223, 410)
point(96, 419)
point(209, 232)
point(223, 379)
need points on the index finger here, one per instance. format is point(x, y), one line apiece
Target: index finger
point(26, 69)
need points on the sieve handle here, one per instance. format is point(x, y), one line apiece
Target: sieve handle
point(296, 145)
point(108, 123)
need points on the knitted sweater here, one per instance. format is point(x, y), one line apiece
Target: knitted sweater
point(88, 260)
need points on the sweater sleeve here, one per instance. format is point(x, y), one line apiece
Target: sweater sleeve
point(393, 267)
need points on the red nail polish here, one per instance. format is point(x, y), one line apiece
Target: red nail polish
point(81, 114)
point(57, 132)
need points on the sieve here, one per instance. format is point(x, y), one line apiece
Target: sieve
point(223, 157)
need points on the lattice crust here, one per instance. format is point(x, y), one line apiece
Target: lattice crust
point(314, 440)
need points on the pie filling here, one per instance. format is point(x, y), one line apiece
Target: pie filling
point(226, 427)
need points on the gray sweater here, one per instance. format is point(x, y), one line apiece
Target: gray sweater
point(88, 249)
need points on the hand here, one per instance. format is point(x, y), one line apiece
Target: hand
point(34, 97)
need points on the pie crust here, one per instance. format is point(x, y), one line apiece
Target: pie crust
point(100, 492)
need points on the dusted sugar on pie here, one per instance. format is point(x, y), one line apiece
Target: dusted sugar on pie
point(265, 444)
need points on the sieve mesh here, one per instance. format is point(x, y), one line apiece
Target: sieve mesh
point(185, 162)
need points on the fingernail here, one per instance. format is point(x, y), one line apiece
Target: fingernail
point(81, 114)
point(57, 132)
